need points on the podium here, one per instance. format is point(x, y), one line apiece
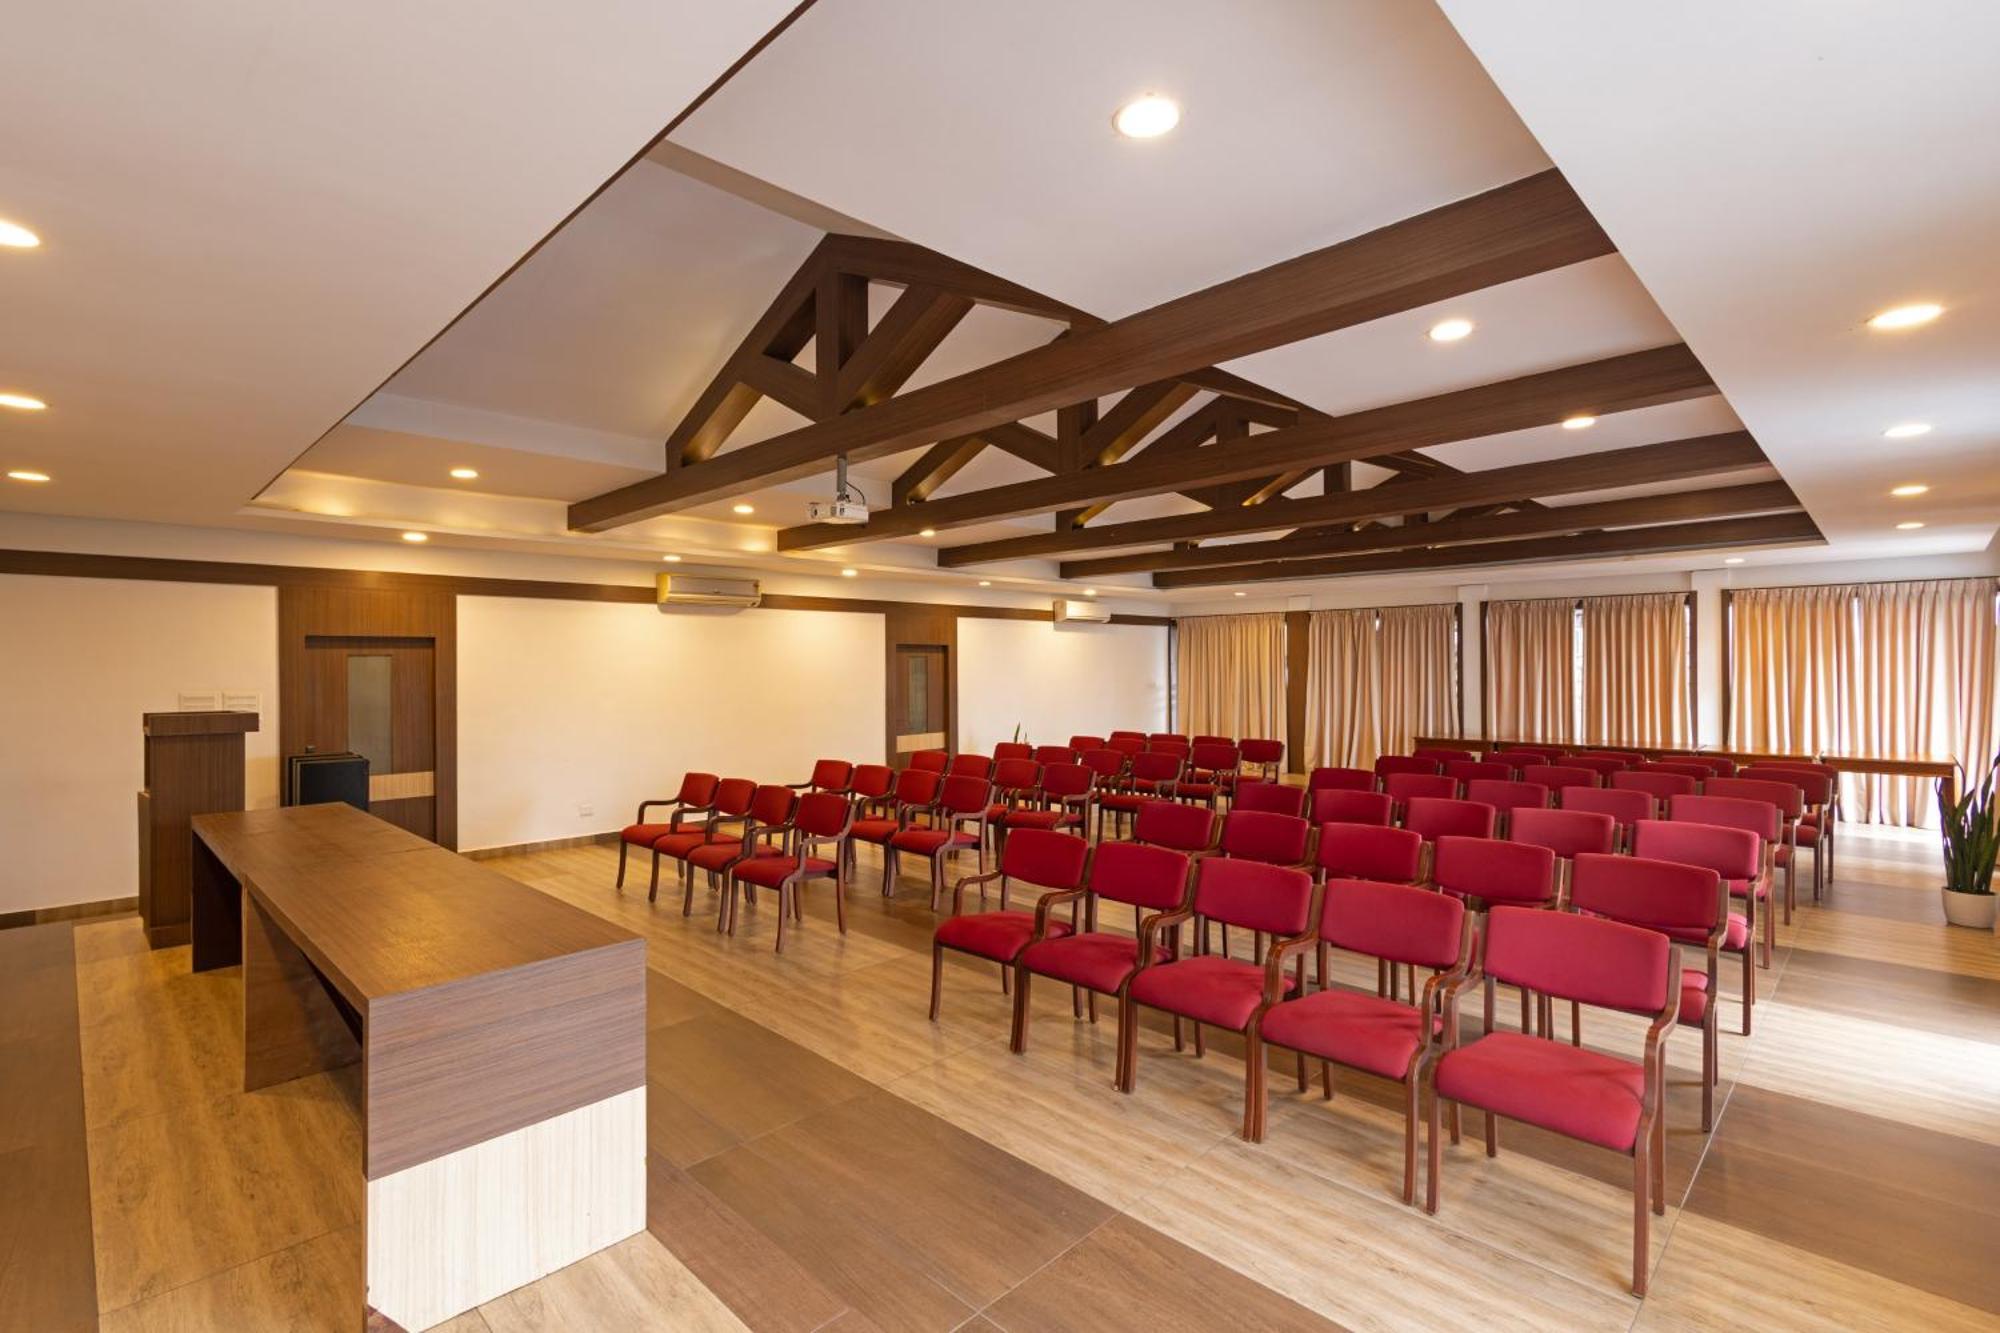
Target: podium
point(194, 766)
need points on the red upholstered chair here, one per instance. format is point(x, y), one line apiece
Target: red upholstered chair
point(931, 761)
point(1335, 805)
point(1732, 853)
point(872, 785)
point(1557, 776)
point(1214, 740)
point(1623, 758)
point(726, 812)
point(1759, 817)
point(1488, 873)
point(769, 816)
point(1106, 765)
point(1016, 780)
point(1272, 798)
point(1168, 737)
point(1136, 735)
point(1258, 835)
point(1264, 755)
point(1395, 925)
point(1507, 797)
point(1790, 801)
point(1598, 1098)
point(1684, 903)
point(1520, 756)
point(1126, 745)
point(1061, 802)
point(1567, 833)
point(1402, 788)
point(958, 822)
point(1819, 786)
point(1444, 754)
point(1367, 851)
point(1687, 768)
point(1149, 880)
point(1659, 786)
point(969, 766)
point(689, 806)
point(1342, 779)
point(828, 775)
point(1049, 861)
point(1012, 750)
point(1082, 743)
point(1209, 763)
point(1720, 765)
point(1180, 750)
point(1468, 770)
point(1226, 992)
point(1389, 765)
point(1601, 767)
point(1431, 818)
point(1057, 754)
point(1151, 777)
point(914, 795)
point(1177, 827)
point(822, 820)
point(1626, 808)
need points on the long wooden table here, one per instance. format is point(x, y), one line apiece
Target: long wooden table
point(501, 1034)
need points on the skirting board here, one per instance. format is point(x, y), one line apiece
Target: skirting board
point(42, 916)
point(457, 1231)
point(550, 845)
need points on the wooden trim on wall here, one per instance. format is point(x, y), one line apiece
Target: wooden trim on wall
point(1298, 649)
point(1693, 613)
point(1458, 643)
point(1728, 690)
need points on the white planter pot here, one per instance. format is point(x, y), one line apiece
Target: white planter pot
point(1975, 910)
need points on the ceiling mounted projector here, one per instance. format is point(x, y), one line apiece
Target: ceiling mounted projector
point(848, 505)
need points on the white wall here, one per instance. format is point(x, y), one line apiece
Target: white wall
point(564, 705)
point(80, 660)
point(1056, 681)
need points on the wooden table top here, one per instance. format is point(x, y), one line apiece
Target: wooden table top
point(383, 912)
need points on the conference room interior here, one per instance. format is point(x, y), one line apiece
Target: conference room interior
point(864, 665)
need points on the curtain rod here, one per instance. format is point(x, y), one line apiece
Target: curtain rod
point(1579, 598)
point(1993, 579)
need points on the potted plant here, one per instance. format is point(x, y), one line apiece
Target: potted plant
point(1971, 840)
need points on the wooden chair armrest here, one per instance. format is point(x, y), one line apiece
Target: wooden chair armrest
point(1047, 903)
point(1149, 932)
point(958, 889)
point(1274, 962)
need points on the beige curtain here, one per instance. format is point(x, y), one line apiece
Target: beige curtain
point(1531, 670)
point(1419, 665)
point(1882, 670)
point(1378, 678)
point(1230, 675)
point(1635, 670)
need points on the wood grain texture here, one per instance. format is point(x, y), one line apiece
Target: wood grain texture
point(292, 1024)
point(193, 765)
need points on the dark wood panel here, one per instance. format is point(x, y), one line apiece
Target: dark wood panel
point(292, 1025)
point(1298, 655)
point(193, 765)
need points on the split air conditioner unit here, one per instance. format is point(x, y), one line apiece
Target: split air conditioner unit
point(689, 590)
point(1086, 613)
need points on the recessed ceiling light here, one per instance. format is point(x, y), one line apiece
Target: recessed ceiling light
point(416, 537)
point(1241, 594)
point(928, 532)
point(21, 402)
point(671, 559)
point(986, 583)
point(26, 474)
point(17, 237)
point(1147, 117)
point(1911, 488)
point(849, 573)
point(1910, 526)
point(1581, 421)
point(1450, 330)
point(1908, 430)
point(1907, 316)
point(1732, 560)
point(465, 473)
point(743, 508)
point(1090, 592)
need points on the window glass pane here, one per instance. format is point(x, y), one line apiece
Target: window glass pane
point(368, 727)
point(917, 694)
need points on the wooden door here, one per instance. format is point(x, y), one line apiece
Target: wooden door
point(920, 700)
point(374, 694)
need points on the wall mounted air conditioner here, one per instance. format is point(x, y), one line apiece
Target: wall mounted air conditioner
point(689, 590)
point(1086, 613)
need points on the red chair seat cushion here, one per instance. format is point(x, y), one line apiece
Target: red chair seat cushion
point(1208, 988)
point(1095, 960)
point(1694, 997)
point(1560, 1087)
point(1361, 1031)
point(1126, 800)
point(1808, 833)
point(875, 830)
point(768, 870)
point(929, 841)
point(645, 835)
point(1735, 936)
point(1740, 888)
point(996, 935)
point(715, 855)
point(1200, 791)
point(677, 845)
point(1044, 819)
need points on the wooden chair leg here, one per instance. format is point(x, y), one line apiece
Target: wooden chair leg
point(1641, 1214)
point(840, 896)
point(937, 979)
point(1749, 986)
point(1305, 1080)
point(623, 847)
point(1090, 1004)
point(1199, 1048)
point(1492, 1135)
point(788, 902)
point(1326, 1080)
point(1433, 1158)
point(1128, 1044)
point(1253, 1086)
point(1018, 1039)
point(1410, 1139)
point(653, 888)
point(1708, 1062)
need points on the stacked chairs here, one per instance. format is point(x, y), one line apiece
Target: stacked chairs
point(1819, 786)
point(1062, 801)
point(1625, 807)
point(834, 775)
point(695, 797)
point(963, 801)
point(1271, 797)
point(769, 814)
point(1758, 817)
point(1216, 990)
point(729, 807)
point(1684, 903)
point(1507, 797)
point(1402, 788)
point(1264, 755)
point(1209, 762)
point(1601, 1099)
point(914, 795)
point(1049, 861)
point(1431, 818)
point(1486, 873)
point(1149, 880)
point(1151, 776)
point(1342, 779)
point(1396, 925)
point(1337, 805)
point(1733, 854)
point(1016, 781)
point(1557, 776)
point(821, 818)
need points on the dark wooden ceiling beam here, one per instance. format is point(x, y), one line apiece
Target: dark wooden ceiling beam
point(779, 334)
point(1715, 535)
point(940, 463)
point(908, 332)
point(1527, 227)
point(1680, 506)
point(1617, 384)
point(904, 264)
point(1676, 460)
point(784, 383)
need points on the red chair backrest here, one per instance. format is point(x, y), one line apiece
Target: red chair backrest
point(1557, 776)
point(1045, 857)
point(965, 795)
point(1444, 754)
point(823, 814)
point(832, 774)
point(1216, 740)
point(1789, 797)
point(1258, 750)
point(1431, 818)
point(1623, 758)
point(1341, 779)
point(1519, 755)
point(1059, 780)
point(1683, 900)
point(1220, 757)
point(1274, 797)
point(1466, 770)
point(1058, 754)
point(1138, 735)
point(696, 789)
point(1508, 795)
point(970, 766)
point(772, 804)
point(1657, 785)
point(931, 761)
point(918, 786)
point(1105, 763)
point(1368, 851)
point(1622, 804)
point(1687, 768)
point(1760, 817)
point(1254, 895)
point(1175, 824)
point(872, 781)
point(1567, 833)
point(1259, 835)
point(1016, 775)
point(1405, 763)
point(1601, 765)
point(1154, 766)
point(1732, 853)
point(733, 797)
point(1392, 921)
point(1333, 805)
point(1082, 743)
point(1719, 765)
point(1127, 744)
point(1497, 872)
point(1144, 876)
point(1810, 779)
point(1171, 736)
point(1582, 958)
point(1404, 786)
point(1178, 749)
point(1012, 750)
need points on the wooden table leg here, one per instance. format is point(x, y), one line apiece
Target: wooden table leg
point(292, 1026)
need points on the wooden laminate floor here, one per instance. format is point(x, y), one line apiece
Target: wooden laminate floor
point(824, 1157)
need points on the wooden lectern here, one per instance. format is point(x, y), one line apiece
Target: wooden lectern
point(194, 766)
